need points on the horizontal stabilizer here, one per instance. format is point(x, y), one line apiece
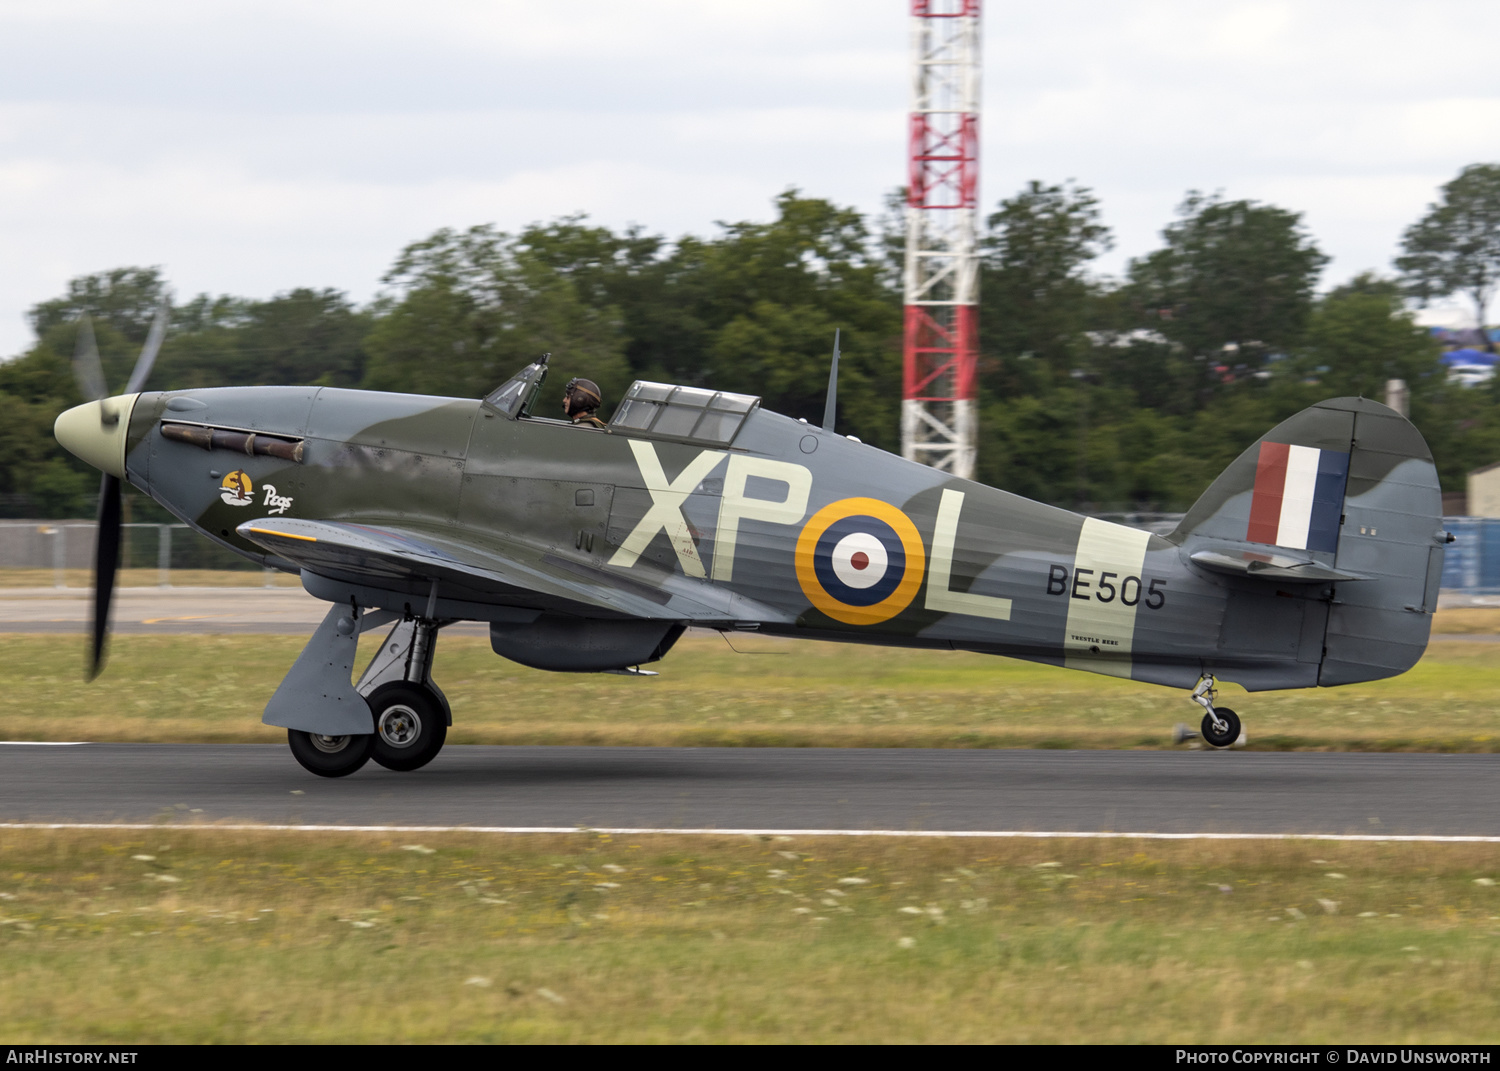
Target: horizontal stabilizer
point(1260, 566)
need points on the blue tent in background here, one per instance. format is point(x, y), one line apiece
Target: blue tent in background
point(1467, 356)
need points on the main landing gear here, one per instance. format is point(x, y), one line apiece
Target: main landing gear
point(410, 726)
point(1221, 726)
point(411, 713)
point(408, 713)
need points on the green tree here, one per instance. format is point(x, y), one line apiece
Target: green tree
point(1035, 296)
point(752, 309)
point(37, 477)
point(301, 337)
point(770, 296)
point(125, 298)
point(1360, 335)
point(472, 307)
point(1232, 273)
point(633, 274)
point(1455, 247)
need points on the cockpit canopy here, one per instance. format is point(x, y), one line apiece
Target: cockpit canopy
point(704, 416)
point(515, 396)
point(691, 413)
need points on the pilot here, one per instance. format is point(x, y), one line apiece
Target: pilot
point(580, 400)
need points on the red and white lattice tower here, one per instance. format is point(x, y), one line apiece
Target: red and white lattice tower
point(938, 409)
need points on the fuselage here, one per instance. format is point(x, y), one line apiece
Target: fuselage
point(785, 528)
point(788, 528)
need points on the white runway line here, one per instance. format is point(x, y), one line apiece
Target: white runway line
point(632, 831)
point(42, 743)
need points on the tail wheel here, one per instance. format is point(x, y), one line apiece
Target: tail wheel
point(1225, 736)
point(329, 756)
point(409, 726)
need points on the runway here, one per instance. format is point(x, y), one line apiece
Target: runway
point(769, 789)
point(164, 610)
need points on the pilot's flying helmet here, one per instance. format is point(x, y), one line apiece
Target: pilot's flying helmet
point(583, 394)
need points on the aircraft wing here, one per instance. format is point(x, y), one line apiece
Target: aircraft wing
point(498, 574)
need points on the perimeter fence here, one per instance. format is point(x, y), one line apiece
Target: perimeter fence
point(1472, 564)
point(61, 554)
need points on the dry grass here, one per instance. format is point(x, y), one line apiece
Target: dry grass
point(787, 693)
point(262, 937)
point(1467, 620)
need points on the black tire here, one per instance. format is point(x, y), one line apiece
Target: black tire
point(1230, 733)
point(329, 756)
point(409, 726)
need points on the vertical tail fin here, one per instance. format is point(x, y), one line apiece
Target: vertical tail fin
point(1347, 486)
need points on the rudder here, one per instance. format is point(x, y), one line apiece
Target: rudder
point(1392, 533)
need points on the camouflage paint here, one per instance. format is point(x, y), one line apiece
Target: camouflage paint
point(536, 515)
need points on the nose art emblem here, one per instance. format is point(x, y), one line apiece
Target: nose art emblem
point(237, 489)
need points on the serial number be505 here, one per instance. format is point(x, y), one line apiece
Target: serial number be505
point(1107, 588)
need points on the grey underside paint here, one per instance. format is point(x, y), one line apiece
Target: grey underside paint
point(317, 695)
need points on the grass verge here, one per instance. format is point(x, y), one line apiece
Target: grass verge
point(177, 936)
point(783, 693)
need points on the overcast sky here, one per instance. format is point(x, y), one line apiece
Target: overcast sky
point(252, 147)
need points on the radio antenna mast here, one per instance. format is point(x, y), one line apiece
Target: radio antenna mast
point(941, 280)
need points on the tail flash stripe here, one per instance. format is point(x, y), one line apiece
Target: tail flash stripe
point(1298, 500)
point(1270, 482)
point(1297, 496)
point(1328, 502)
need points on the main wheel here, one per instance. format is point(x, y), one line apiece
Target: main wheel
point(1228, 735)
point(329, 756)
point(409, 726)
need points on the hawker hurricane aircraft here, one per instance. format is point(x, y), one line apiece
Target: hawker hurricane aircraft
point(1314, 559)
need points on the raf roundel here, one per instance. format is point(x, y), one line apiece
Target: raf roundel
point(860, 561)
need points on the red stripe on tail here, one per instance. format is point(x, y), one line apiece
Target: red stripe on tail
point(1270, 484)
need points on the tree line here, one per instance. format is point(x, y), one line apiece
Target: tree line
point(1094, 393)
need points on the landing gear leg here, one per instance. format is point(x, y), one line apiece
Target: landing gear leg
point(1221, 726)
point(410, 711)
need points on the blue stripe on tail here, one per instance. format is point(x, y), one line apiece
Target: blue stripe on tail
point(1328, 501)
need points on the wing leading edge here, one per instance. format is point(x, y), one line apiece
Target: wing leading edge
point(506, 574)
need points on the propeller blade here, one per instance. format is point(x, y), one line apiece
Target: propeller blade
point(106, 564)
point(147, 358)
point(87, 370)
